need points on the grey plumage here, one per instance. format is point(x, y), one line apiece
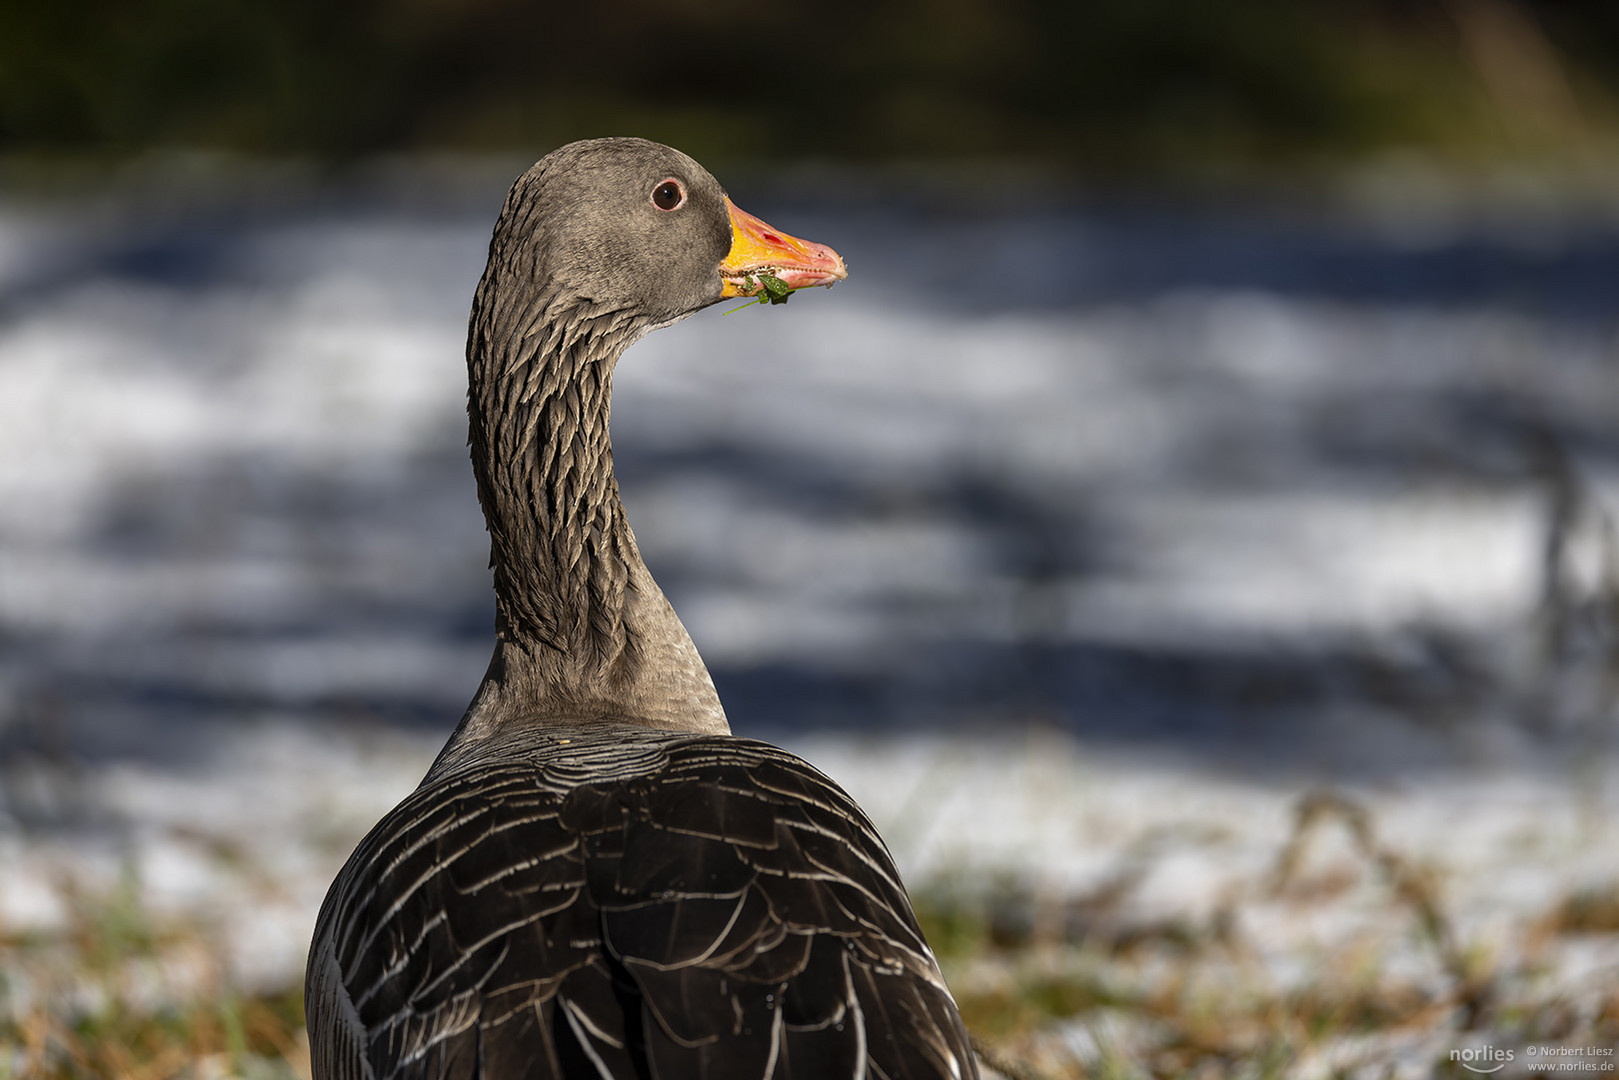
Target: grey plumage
point(596, 879)
point(605, 900)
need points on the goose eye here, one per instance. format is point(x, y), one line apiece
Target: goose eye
point(669, 195)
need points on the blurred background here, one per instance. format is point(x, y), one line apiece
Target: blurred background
point(1191, 532)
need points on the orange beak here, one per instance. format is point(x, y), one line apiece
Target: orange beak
point(757, 249)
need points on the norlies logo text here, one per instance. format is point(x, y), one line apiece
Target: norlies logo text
point(1476, 1058)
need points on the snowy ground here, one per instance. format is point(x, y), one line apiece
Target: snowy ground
point(1080, 543)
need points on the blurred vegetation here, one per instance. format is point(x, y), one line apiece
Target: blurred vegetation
point(1096, 985)
point(1123, 85)
point(120, 992)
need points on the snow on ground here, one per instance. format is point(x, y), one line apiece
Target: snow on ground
point(1059, 537)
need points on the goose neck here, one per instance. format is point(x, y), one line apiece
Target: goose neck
point(582, 629)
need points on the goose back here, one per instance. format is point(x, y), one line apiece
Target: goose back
point(610, 901)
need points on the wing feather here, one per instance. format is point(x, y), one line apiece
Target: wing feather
point(611, 902)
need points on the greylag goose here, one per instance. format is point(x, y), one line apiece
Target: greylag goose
point(595, 878)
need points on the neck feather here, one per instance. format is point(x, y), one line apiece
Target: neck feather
point(560, 547)
point(583, 631)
